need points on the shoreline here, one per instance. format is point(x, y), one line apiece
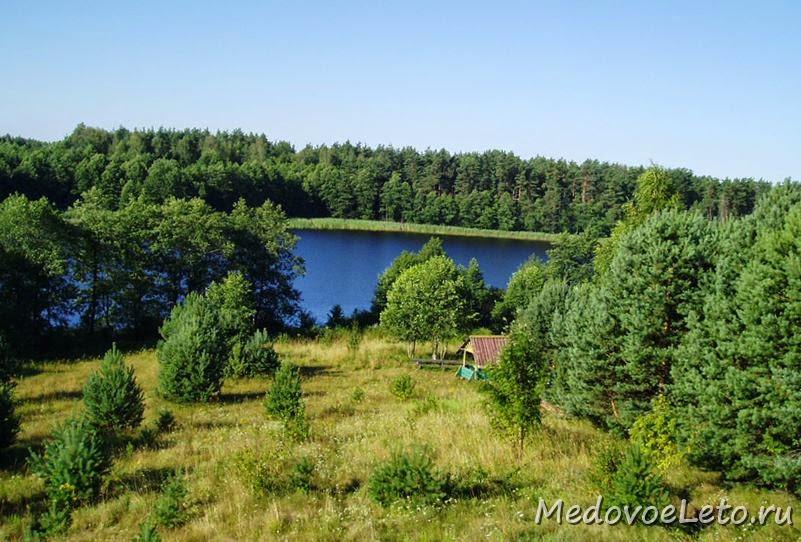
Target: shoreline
point(352, 224)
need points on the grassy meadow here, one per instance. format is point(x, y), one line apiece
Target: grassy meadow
point(232, 453)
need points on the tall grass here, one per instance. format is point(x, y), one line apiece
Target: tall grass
point(228, 448)
point(427, 229)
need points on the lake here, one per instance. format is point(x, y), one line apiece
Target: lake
point(342, 267)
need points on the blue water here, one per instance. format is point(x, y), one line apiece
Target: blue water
point(342, 267)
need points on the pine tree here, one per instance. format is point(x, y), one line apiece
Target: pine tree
point(194, 351)
point(112, 399)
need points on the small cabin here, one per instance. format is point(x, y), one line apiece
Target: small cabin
point(479, 352)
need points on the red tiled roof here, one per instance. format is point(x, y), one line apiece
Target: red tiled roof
point(486, 348)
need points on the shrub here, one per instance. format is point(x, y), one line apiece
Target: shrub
point(253, 357)
point(409, 476)
point(9, 421)
point(165, 420)
point(170, 509)
point(147, 533)
point(357, 396)
point(112, 398)
point(655, 434)
point(285, 398)
point(193, 352)
point(402, 387)
point(301, 477)
point(635, 482)
point(73, 466)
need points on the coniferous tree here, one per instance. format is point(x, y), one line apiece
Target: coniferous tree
point(194, 351)
point(113, 401)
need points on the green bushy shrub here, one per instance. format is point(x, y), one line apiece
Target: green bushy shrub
point(402, 387)
point(285, 397)
point(655, 433)
point(165, 420)
point(113, 401)
point(73, 466)
point(302, 473)
point(193, 353)
point(170, 509)
point(253, 357)
point(285, 401)
point(9, 421)
point(408, 476)
point(636, 482)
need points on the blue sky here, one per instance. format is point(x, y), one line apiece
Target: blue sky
point(712, 86)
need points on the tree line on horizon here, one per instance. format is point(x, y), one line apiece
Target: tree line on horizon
point(492, 189)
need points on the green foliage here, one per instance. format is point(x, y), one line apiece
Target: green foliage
point(276, 471)
point(570, 258)
point(357, 396)
point(408, 476)
point(655, 433)
point(171, 507)
point(34, 244)
point(737, 382)
point(165, 420)
point(636, 483)
point(285, 397)
point(404, 261)
point(655, 192)
point(9, 421)
point(302, 475)
point(515, 386)
point(193, 353)
point(523, 286)
point(233, 299)
point(74, 463)
point(253, 357)
point(402, 387)
point(113, 401)
point(623, 336)
point(426, 302)
point(147, 533)
point(284, 401)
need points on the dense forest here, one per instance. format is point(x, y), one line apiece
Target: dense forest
point(493, 189)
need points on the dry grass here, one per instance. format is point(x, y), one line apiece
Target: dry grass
point(349, 437)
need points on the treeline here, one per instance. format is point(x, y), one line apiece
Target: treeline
point(493, 189)
point(118, 272)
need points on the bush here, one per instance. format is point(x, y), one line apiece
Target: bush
point(113, 401)
point(165, 420)
point(193, 353)
point(301, 477)
point(73, 466)
point(170, 509)
point(357, 396)
point(635, 482)
point(253, 357)
point(402, 387)
point(408, 476)
point(285, 398)
point(655, 434)
point(9, 421)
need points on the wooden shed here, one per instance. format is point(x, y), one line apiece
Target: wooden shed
point(483, 350)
